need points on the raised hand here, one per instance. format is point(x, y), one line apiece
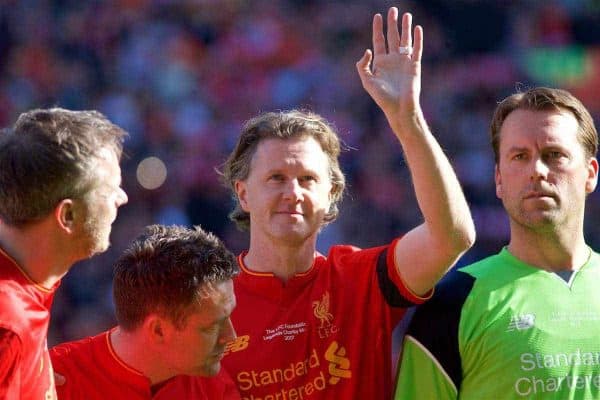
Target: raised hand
point(392, 76)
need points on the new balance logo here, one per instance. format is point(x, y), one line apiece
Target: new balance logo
point(238, 344)
point(521, 322)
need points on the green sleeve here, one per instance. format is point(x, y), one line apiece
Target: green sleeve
point(420, 376)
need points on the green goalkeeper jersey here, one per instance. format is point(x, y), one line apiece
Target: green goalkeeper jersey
point(502, 329)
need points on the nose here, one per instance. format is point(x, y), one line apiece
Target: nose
point(228, 332)
point(292, 190)
point(539, 169)
point(122, 198)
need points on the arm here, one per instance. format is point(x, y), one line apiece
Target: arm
point(393, 80)
point(10, 356)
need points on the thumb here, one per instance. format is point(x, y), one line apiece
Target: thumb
point(363, 65)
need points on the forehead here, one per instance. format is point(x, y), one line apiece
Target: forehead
point(217, 303)
point(217, 300)
point(540, 128)
point(275, 153)
point(106, 166)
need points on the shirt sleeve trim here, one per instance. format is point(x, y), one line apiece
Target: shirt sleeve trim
point(395, 276)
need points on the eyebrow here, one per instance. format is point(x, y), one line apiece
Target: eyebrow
point(517, 149)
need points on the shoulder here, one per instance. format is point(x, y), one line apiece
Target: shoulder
point(595, 260)
point(13, 302)
point(348, 255)
point(71, 353)
point(445, 306)
point(453, 290)
point(485, 267)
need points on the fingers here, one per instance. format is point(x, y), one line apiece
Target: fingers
point(418, 45)
point(406, 39)
point(393, 36)
point(378, 38)
point(395, 39)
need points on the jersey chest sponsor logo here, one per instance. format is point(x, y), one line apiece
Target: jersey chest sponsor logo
point(297, 379)
point(321, 312)
point(574, 371)
point(339, 364)
point(521, 322)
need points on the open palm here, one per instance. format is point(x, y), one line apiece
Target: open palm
point(392, 76)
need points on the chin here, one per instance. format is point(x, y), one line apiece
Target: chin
point(211, 370)
point(98, 248)
point(294, 232)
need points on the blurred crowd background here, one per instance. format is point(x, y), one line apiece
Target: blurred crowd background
point(182, 76)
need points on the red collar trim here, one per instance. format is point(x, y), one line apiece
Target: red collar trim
point(248, 271)
point(27, 278)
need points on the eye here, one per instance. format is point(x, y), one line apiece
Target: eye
point(211, 328)
point(555, 154)
point(519, 156)
point(277, 178)
point(308, 178)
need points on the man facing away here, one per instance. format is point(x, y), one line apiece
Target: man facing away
point(317, 327)
point(173, 294)
point(59, 193)
point(524, 323)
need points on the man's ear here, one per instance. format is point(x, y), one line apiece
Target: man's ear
point(498, 180)
point(64, 213)
point(592, 180)
point(240, 190)
point(158, 329)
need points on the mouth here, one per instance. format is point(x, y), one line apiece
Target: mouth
point(539, 195)
point(289, 213)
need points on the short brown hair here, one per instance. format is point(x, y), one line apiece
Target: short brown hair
point(283, 125)
point(48, 156)
point(544, 99)
point(165, 270)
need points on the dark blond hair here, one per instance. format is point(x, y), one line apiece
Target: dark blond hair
point(48, 156)
point(283, 125)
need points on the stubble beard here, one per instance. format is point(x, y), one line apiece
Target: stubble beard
point(96, 236)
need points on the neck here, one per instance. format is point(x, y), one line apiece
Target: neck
point(283, 260)
point(551, 251)
point(37, 251)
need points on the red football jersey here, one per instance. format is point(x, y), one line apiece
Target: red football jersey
point(323, 334)
point(93, 371)
point(25, 369)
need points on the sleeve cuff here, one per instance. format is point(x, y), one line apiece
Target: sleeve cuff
point(399, 282)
